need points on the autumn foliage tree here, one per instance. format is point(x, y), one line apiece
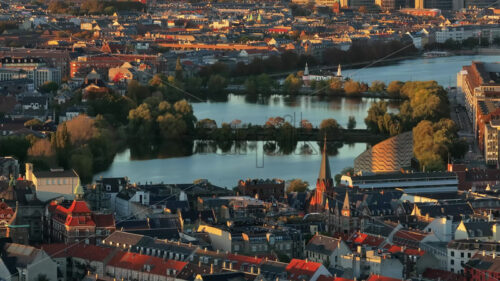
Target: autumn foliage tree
point(297, 185)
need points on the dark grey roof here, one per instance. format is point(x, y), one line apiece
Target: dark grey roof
point(132, 225)
point(149, 242)
point(406, 176)
point(479, 228)
point(226, 276)
point(160, 233)
point(55, 174)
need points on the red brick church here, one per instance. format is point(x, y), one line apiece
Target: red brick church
point(324, 186)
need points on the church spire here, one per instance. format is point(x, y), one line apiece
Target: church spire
point(346, 208)
point(306, 70)
point(324, 171)
point(339, 71)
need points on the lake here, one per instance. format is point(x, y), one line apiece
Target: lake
point(225, 169)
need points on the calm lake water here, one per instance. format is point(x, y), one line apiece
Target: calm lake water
point(225, 169)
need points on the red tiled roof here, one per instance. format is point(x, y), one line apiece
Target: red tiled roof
point(78, 214)
point(82, 251)
point(365, 239)
point(407, 251)
point(137, 262)
point(78, 207)
point(240, 259)
point(381, 278)
point(414, 252)
point(410, 235)
point(297, 268)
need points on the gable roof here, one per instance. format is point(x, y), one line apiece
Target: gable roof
point(139, 262)
point(297, 269)
point(82, 251)
point(323, 244)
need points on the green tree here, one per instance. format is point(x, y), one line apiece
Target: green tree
point(172, 127)
point(216, 84)
point(377, 87)
point(81, 161)
point(297, 185)
point(158, 80)
point(49, 87)
point(14, 146)
point(137, 92)
point(179, 75)
point(292, 84)
point(61, 141)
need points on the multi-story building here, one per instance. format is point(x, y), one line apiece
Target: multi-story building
point(480, 85)
point(255, 240)
point(491, 147)
point(78, 223)
point(482, 267)
point(461, 251)
point(21, 262)
point(45, 74)
point(487, 111)
point(418, 182)
point(326, 250)
point(366, 262)
point(53, 183)
point(42, 57)
point(11, 74)
point(22, 63)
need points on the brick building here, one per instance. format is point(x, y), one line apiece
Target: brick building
point(102, 63)
point(482, 267)
point(78, 223)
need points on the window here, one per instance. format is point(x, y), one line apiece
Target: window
point(452, 262)
point(452, 253)
point(462, 254)
point(468, 255)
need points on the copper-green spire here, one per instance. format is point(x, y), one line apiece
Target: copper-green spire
point(324, 171)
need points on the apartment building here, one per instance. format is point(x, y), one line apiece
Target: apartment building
point(461, 251)
point(479, 81)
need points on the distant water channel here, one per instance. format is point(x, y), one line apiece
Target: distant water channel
point(226, 169)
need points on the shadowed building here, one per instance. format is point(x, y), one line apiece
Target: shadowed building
point(390, 155)
point(262, 189)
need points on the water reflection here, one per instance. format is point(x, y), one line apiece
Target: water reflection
point(257, 109)
point(170, 149)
